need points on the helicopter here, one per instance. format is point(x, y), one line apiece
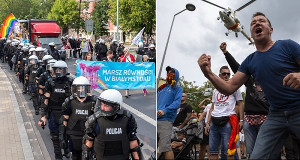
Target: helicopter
point(231, 22)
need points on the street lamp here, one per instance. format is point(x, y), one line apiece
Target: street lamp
point(117, 37)
point(189, 7)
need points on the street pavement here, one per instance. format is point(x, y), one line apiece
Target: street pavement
point(37, 144)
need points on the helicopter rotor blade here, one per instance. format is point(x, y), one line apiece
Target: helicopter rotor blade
point(245, 5)
point(213, 4)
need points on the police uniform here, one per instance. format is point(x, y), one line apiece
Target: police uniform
point(78, 113)
point(112, 136)
point(32, 73)
point(59, 89)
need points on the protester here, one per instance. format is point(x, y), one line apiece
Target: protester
point(185, 113)
point(256, 105)
point(168, 101)
point(275, 66)
point(127, 57)
point(204, 116)
point(224, 127)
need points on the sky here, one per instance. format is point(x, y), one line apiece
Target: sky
point(198, 32)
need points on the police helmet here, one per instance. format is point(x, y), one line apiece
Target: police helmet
point(51, 44)
point(140, 44)
point(81, 87)
point(32, 50)
point(112, 101)
point(50, 64)
point(31, 46)
point(152, 46)
point(33, 59)
point(25, 48)
point(101, 41)
point(21, 44)
point(121, 42)
point(46, 58)
point(60, 68)
point(39, 49)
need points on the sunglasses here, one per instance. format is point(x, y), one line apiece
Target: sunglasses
point(225, 73)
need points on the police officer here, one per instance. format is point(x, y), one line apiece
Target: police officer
point(121, 48)
point(113, 47)
point(57, 89)
point(152, 53)
point(53, 51)
point(45, 76)
point(141, 50)
point(76, 109)
point(22, 63)
point(31, 73)
point(43, 79)
point(101, 50)
point(109, 131)
point(39, 52)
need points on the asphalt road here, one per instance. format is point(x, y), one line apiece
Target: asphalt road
point(142, 107)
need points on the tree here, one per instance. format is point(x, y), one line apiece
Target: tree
point(17, 7)
point(194, 92)
point(40, 8)
point(134, 15)
point(100, 17)
point(66, 14)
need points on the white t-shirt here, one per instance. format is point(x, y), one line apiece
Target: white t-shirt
point(224, 105)
point(207, 108)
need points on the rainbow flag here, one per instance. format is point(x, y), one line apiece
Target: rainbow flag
point(8, 25)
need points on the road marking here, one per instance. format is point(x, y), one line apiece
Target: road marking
point(131, 109)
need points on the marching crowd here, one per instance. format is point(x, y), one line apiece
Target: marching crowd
point(79, 122)
point(265, 126)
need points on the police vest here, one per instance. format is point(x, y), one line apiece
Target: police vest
point(43, 78)
point(61, 89)
point(80, 112)
point(112, 142)
point(23, 61)
point(32, 74)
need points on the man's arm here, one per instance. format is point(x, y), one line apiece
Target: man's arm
point(234, 65)
point(225, 87)
point(186, 120)
point(201, 104)
point(240, 106)
point(292, 79)
point(174, 105)
point(202, 116)
point(208, 118)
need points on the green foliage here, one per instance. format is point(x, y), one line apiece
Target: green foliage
point(194, 92)
point(66, 13)
point(40, 8)
point(18, 7)
point(134, 15)
point(100, 17)
point(31, 9)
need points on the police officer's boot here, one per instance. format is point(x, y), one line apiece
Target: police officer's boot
point(67, 153)
point(56, 145)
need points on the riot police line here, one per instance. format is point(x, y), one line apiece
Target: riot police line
point(81, 125)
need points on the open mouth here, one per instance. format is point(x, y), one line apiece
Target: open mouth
point(258, 30)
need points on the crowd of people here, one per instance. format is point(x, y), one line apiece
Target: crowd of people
point(264, 126)
point(79, 122)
